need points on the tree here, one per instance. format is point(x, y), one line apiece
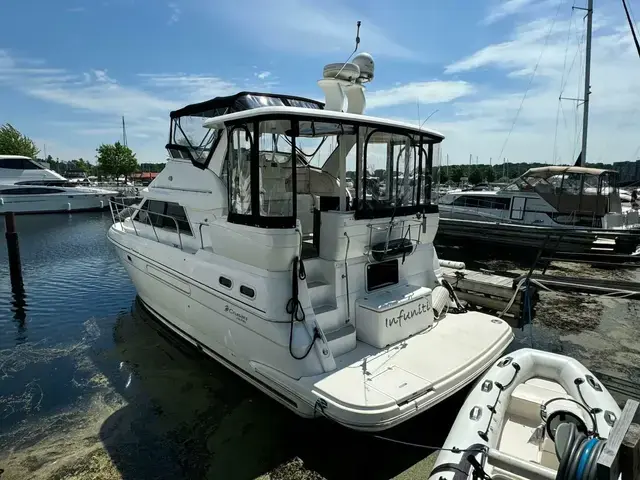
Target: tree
point(456, 174)
point(12, 142)
point(491, 176)
point(475, 177)
point(443, 175)
point(116, 160)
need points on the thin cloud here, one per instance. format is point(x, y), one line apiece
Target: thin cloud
point(505, 8)
point(422, 92)
point(263, 75)
point(176, 12)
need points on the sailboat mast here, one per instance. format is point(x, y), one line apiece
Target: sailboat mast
point(587, 84)
point(124, 132)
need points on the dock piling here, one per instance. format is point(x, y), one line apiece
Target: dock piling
point(13, 250)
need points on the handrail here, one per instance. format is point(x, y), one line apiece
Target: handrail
point(137, 209)
point(346, 276)
point(388, 228)
point(200, 231)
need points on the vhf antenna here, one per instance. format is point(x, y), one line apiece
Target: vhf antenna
point(354, 50)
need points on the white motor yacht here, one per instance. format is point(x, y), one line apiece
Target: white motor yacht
point(250, 246)
point(28, 187)
point(558, 196)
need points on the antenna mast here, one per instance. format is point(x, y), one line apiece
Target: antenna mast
point(124, 132)
point(587, 84)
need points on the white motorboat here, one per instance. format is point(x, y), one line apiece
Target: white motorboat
point(28, 187)
point(563, 197)
point(510, 426)
point(247, 246)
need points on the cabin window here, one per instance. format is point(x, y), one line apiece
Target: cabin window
point(239, 176)
point(225, 282)
point(260, 174)
point(189, 140)
point(18, 164)
point(276, 171)
point(247, 291)
point(162, 215)
point(497, 203)
point(394, 174)
point(31, 191)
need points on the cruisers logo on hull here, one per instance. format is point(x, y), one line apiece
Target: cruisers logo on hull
point(238, 316)
point(406, 315)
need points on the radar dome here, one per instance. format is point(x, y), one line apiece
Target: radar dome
point(365, 62)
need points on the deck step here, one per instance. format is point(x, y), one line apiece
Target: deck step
point(320, 292)
point(342, 340)
point(320, 309)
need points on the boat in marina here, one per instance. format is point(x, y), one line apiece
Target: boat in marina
point(555, 196)
point(530, 416)
point(252, 245)
point(26, 186)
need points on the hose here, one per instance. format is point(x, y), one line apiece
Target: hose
point(578, 460)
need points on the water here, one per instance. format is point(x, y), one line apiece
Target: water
point(92, 387)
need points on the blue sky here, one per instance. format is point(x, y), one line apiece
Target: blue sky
point(70, 69)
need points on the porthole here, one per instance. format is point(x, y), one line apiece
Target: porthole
point(225, 282)
point(247, 291)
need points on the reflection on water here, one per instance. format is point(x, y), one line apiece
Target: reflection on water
point(91, 386)
point(18, 306)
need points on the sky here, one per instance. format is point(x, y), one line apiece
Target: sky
point(487, 74)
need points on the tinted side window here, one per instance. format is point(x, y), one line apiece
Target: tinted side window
point(31, 191)
point(153, 207)
point(177, 212)
point(27, 165)
point(12, 163)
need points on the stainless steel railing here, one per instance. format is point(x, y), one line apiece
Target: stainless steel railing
point(404, 227)
point(118, 207)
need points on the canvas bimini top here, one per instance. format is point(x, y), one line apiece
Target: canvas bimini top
point(243, 101)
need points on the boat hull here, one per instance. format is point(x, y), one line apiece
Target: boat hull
point(363, 392)
point(55, 203)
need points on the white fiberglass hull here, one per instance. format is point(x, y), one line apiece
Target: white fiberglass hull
point(515, 432)
point(370, 389)
point(71, 201)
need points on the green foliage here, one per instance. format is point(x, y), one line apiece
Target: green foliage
point(12, 142)
point(116, 159)
point(475, 177)
point(456, 173)
point(490, 175)
point(443, 175)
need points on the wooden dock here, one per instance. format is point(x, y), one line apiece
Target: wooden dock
point(489, 292)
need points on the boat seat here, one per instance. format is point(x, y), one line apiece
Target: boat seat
point(526, 401)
